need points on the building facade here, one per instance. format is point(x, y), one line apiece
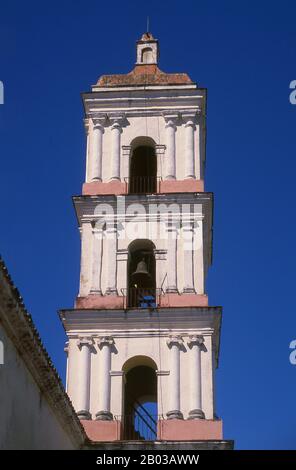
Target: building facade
point(143, 342)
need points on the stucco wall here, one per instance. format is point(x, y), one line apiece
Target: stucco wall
point(27, 421)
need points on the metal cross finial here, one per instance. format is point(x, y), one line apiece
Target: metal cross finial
point(147, 24)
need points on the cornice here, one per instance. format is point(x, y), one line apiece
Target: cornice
point(193, 207)
point(162, 322)
point(149, 101)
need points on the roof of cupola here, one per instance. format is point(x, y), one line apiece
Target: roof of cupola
point(146, 71)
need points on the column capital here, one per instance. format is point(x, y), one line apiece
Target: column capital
point(174, 340)
point(84, 341)
point(99, 121)
point(171, 117)
point(86, 125)
point(190, 123)
point(171, 121)
point(111, 228)
point(195, 340)
point(190, 118)
point(98, 226)
point(105, 341)
point(117, 120)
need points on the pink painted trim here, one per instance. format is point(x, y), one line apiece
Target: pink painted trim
point(100, 301)
point(110, 187)
point(117, 301)
point(181, 186)
point(184, 300)
point(167, 186)
point(102, 430)
point(189, 430)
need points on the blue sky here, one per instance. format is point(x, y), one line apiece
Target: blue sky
point(244, 53)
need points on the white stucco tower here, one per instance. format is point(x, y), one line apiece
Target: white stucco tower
point(143, 344)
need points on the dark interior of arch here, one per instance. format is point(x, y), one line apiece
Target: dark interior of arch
point(140, 414)
point(141, 285)
point(143, 170)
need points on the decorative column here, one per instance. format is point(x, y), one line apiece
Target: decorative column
point(86, 127)
point(160, 267)
point(160, 154)
point(111, 235)
point(170, 146)
point(189, 147)
point(97, 231)
point(172, 235)
point(116, 130)
point(126, 156)
point(174, 343)
point(188, 252)
point(97, 148)
point(85, 269)
point(105, 344)
point(82, 404)
point(196, 344)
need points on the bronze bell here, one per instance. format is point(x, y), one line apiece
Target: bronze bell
point(141, 274)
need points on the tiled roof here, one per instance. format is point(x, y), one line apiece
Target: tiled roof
point(148, 74)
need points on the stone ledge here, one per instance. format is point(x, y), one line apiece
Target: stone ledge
point(166, 446)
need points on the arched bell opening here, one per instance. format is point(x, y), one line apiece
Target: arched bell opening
point(140, 399)
point(147, 55)
point(143, 167)
point(141, 275)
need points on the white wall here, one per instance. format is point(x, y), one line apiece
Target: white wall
point(27, 421)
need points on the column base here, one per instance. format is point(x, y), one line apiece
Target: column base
point(174, 414)
point(171, 290)
point(83, 414)
point(104, 416)
point(96, 179)
point(189, 290)
point(196, 414)
point(95, 292)
point(111, 291)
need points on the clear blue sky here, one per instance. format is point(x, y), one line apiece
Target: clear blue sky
point(244, 53)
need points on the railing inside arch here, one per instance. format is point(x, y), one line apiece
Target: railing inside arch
point(143, 184)
point(141, 297)
point(139, 425)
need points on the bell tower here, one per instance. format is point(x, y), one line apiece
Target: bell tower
point(143, 342)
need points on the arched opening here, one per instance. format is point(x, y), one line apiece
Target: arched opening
point(143, 167)
point(141, 277)
point(147, 55)
point(140, 399)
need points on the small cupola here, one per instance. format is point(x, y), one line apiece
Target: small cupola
point(147, 50)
